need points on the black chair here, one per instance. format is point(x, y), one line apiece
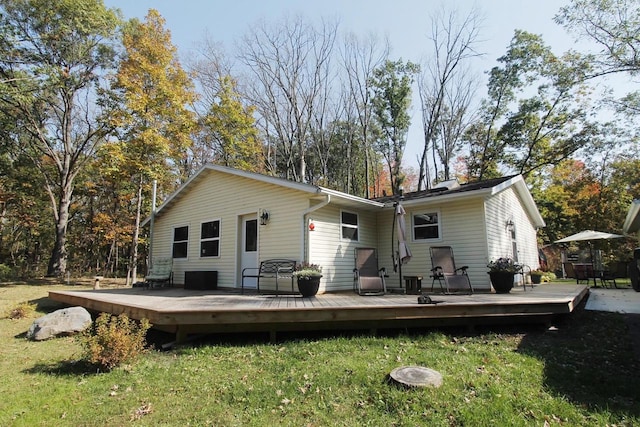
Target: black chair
point(616, 270)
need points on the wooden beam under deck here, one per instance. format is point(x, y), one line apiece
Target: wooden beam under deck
point(185, 312)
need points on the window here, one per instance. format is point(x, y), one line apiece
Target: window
point(426, 226)
point(251, 235)
point(349, 225)
point(180, 241)
point(210, 239)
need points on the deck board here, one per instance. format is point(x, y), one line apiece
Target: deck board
point(189, 311)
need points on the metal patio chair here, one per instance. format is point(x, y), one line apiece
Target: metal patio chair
point(450, 278)
point(160, 274)
point(617, 270)
point(368, 279)
point(579, 271)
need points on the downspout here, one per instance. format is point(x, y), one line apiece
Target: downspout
point(305, 231)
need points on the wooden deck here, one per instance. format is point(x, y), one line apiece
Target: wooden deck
point(185, 312)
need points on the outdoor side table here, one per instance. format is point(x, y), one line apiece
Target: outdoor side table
point(413, 284)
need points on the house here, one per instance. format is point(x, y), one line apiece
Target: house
point(225, 220)
point(632, 221)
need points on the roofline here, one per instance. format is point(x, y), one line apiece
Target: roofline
point(352, 198)
point(527, 198)
point(300, 186)
point(631, 224)
point(517, 181)
point(293, 185)
point(443, 197)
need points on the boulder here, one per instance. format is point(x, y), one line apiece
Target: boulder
point(66, 321)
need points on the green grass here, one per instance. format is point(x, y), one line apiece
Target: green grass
point(584, 373)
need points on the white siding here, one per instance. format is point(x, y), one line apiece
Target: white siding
point(327, 248)
point(474, 227)
point(463, 228)
point(501, 208)
point(226, 197)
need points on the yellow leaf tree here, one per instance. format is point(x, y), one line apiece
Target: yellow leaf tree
point(231, 128)
point(151, 98)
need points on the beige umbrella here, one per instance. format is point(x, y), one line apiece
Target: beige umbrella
point(589, 236)
point(404, 253)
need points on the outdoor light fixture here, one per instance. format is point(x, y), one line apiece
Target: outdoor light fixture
point(510, 225)
point(264, 217)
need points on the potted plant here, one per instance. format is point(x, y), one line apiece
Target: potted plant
point(502, 272)
point(308, 277)
point(536, 276)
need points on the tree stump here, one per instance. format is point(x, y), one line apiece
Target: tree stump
point(416, 376)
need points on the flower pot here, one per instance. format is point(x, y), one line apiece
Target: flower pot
point(502, 281)
point(536, 278)
point(308, 285)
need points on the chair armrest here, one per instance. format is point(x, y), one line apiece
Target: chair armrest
point(463, 268)
point(250, 268)
point(437, 267)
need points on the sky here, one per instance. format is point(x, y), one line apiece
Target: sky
point(406, 23)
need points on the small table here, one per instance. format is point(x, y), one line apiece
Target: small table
point(413, 284)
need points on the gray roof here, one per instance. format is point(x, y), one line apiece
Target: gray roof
point(437, 192)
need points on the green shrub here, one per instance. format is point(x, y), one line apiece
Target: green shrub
point(5, 272)
point(114, 340)
point(22, 310)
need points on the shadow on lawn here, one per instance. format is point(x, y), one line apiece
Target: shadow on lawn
point(46, 305)
point(590, 360)
point(63, 368)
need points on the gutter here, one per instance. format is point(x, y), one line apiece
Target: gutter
point(631, 224)
point(305, 232)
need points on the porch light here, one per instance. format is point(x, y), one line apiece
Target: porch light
point(264, 217)
point(510, 225)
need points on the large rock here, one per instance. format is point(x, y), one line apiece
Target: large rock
point(66, 321)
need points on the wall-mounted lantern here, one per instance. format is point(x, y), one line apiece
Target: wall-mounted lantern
point(264, 217)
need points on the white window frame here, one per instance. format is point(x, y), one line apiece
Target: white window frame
point(356, 227)
point(173, 241)
point(211, 239)
point(439, 225)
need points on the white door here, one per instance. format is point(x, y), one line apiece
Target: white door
point(249, 248)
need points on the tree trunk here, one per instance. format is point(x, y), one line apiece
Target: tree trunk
point(136, 234)
point(58, 261)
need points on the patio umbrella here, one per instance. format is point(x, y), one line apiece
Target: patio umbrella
point(404, 253)
point(589, 236)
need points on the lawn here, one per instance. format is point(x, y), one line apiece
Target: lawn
point(583, 372)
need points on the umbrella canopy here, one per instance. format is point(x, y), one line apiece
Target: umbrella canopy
point(589, 235)
point(404, 253)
